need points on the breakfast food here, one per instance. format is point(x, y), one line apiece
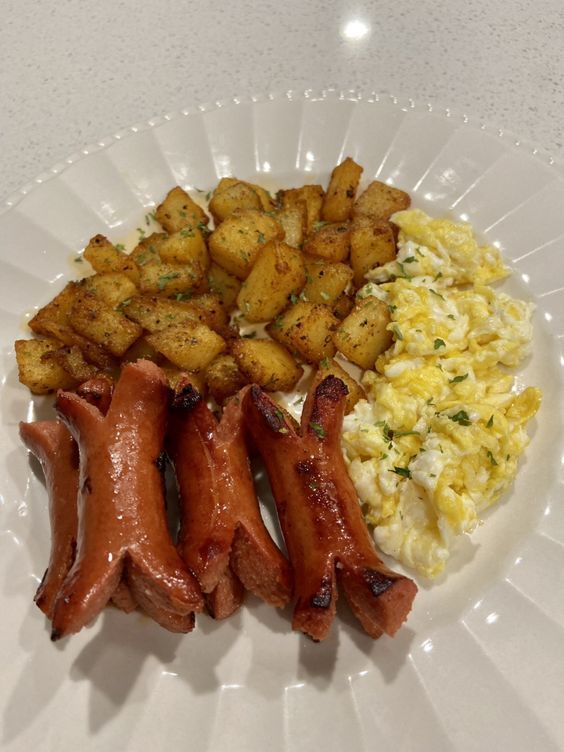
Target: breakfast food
point(326, 536)
point(440, 438)
point(122, 526)
point(222, 537)
point(373, 309)
point(55, 448)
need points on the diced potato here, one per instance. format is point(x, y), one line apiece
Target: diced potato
point(325, 282)
point(53, 320)
point(343, 305)
point(362, 336)
point(211, 311)
point(178, 210)
point(224, 378)
point(93, 352)
point(142, 350)
point(186, 247)
point(147, 249)
point(307, 329)
point(101, 324)
point(155, 314)
point(170, 279)
point(238, 240)
point(190, 346)
point(330, 241)
point(228, 199)
point(56, 312)
point(339, 199)
point(174, 375)
point(312, 195)
point(293, 220)
point(104, 257)
point(39, 373)
point(278, 273)
point(223, 284)
point(112, 288)
point(72, 361)
point(267, 364)
point(372, 244)
point(380, 201)
point(332, 368)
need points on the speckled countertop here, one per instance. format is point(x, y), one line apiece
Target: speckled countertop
point(73, 71)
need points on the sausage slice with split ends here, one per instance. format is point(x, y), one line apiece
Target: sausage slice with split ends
point(56, 450)
point(223, 539)
point(325, 533)
point(122, 529)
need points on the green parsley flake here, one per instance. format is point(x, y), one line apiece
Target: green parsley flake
point(318, 430)
point(489, 424)
point(439, 343)
point(458, 379)
point(318, 225)
point(166, 278)
point(397, 331)
point(491, 457)
point(461, 417)
point(405, 472)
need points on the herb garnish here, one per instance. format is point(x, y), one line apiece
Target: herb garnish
point(318, 430)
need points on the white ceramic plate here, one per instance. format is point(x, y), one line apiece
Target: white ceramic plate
point(479, 664)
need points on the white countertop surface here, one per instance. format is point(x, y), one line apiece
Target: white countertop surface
point(74, 72)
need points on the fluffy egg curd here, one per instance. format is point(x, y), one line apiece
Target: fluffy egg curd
point(440, 437)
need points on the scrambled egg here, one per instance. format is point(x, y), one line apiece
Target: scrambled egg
point(439, 440)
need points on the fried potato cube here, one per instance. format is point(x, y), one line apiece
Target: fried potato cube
point(142, 350)
point(190, 346)
point(53, 320)
point(224, 379)
point(380, 201)
point(72, 361)
point(343, 305)
point(236, 243)
point(169, 279)
point(227, 199)
point(278, 273)
point(186, 247)
point(155, 314)
point(178, 210)
point(56, 312)
point(307, 329)
point(39, 373)
point(223, 284)
point(211, 311)
point(112, 288)
point(362, 336)
point(93, 352)
point(293, 220)
point(331, 241)
point(339, 199)
point(325, 282)
point(332, 368)
point(147, 249)
point(372, 244)
point(103, 257)
point(313, 196)
point(99, 323)
point(174, 375)
point(232, 194)
point(267, 364)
